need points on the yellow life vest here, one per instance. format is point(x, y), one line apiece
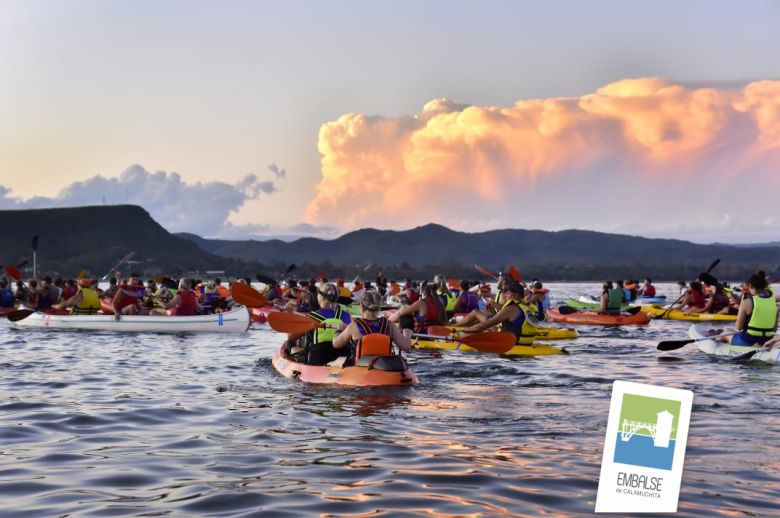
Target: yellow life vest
point(525, 333)
point(90, 302)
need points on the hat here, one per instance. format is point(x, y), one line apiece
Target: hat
point(85, 283)
point(538, 285)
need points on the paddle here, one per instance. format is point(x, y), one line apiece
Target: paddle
point(515, 274)
point(715, 263)
point(246, 295)
point(671, 345)
point(289, 269)
point(357, 277)
point(485, 271)
point(19, 314)
point(13, 272)
point(117, 265)
point(490, 342)
point(291, 323)
point(568, 310)
point(453, 284)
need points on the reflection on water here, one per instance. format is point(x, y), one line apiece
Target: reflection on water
point(98, 424)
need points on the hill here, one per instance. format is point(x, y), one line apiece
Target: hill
point(562, 255)
point(96, 238)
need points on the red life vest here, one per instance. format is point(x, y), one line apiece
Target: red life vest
point(430, 318)
point(125, 299)
point(188, 304)
point(697, 299)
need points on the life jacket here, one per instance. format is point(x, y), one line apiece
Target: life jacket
point(381, 326)
point(332, 323)
point(449, 300)
point(430, 318)
point(698, 299)
point(69, 292)
point(126, 299)
point(412, 296)
point(544, 302)
point(90, 302)
point(763, 318)
point(485, 290)
point(615, 302)
point(187, 306)
point(520, 327)
point(223, 292)
point(345, 292)
point(649, 291)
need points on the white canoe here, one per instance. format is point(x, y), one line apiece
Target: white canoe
point(723, 349)
point(234, 321)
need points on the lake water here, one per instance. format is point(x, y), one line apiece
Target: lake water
point(103, 425)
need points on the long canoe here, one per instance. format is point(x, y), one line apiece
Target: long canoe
point(518, 350)
point(235, 321)
point(366, 375)
point(724, 349)
point(656, 311)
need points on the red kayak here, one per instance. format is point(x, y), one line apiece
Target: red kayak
point(260, 315)
point(591, 318)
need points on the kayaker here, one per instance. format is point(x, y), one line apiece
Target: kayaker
point(630, 288)
point(319, 342)
point(540, 296)
point(84, 302)
point(344, 292)
point(381, 283)
point(611, 299)
point(185, 303)
point(427, 311)
point(48, 294)
point(467, 301)
point(757, 317)
point(648, 290)
point(694, 300)
point(127, 297)
point(448, 298)
point(512, 317)
point(717, 302)
point(7, 299)
point(368, 323)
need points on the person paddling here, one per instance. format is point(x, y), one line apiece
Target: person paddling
point(512, 317)
point(319, 342)
point(7, 299)
point(611, 299)
point(427, 311)
point(85, 302)
point(368, 323)
point(757, 317)
point(185, 303)
point(648, 290)
point(127, 297)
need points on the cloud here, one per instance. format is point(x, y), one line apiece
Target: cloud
point(202, 208)
point(639, 154)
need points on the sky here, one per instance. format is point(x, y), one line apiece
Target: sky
point(251, 119)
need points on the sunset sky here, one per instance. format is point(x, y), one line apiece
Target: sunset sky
point(240, 119)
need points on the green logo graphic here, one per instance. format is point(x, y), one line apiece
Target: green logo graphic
point(647, 431)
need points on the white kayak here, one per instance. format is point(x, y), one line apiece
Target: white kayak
point(234, 321)
point(723, 349)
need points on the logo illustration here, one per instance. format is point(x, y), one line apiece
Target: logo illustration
point(647, 431)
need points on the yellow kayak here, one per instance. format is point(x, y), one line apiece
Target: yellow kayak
point(556, 333)
point(656, 311)
point(518, 350)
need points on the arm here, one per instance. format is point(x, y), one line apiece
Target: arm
point(402, 341)
point(409, 310)
point(744, 308)
point(343, 339)
point(508, 313)
point(604, 302)
point(175, 301)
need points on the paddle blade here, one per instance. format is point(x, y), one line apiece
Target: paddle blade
point(671, 345)
point(634, 310)
point(439, 330)
point(453, 284)
point(715, 263)
point(13, 272)
point(291, 323)
point(495, 342)
point(484, 271)
point(264, 279)
point(19, 314)
point(515, 274)
point(290, 268)
point(247, 296)
point(744, 357)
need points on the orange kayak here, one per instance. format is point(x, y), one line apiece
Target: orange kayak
point(591, 318)
point(387, 370)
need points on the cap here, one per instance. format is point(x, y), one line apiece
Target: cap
point(85, 283)
point(537, 285)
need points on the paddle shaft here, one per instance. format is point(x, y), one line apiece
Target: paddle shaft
point(663, 315)
point(671, 345)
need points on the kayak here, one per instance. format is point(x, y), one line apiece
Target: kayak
point(518, 350)
point(5, 311)
point(657, 311)
point(556, 333)
point(235, 321)
point(585, 302)
point(596, 319)
point(723, 349)
point(388, 370)
point(260, 315)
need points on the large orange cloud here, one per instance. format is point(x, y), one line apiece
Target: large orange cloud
point(551, 163)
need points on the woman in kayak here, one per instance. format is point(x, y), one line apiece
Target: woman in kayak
point(757, 317)
point(694, 300)
point(185, 303)
point(368, 323)
point(718, 303)
point(333, 317)
point(84, 302)
point(611, 299)
point(468, 300)
point(427, 311)
point(512, 316)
